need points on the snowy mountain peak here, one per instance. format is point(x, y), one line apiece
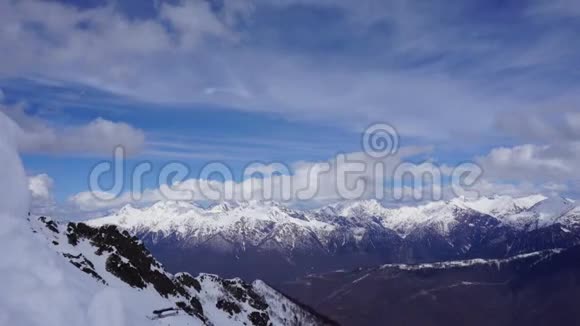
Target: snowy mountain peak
point(267, 223)
point(442, 215)
point(529, 201)
point(553, 205)
point(224, 206)
point(500, 205)
point(252, 223)
point(356, 209)
point(179, 207)
point(544, 213)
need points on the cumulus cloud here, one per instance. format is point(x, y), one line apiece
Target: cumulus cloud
point(533, 162)
point(487, 187)
point(42, 198)
point(525, 169)
point(516, 171)
point(100, 136)
point(41, 186)
point(311, 183)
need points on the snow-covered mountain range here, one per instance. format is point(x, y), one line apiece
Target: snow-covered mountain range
point(112, 261)
point(189, 219)
point(346, 234)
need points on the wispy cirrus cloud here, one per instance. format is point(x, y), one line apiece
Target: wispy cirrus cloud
point(460, 65)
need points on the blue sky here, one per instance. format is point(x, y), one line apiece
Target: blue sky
point(494, 82)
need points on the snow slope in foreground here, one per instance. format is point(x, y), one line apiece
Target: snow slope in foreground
point(38, 286)
point(116, 260)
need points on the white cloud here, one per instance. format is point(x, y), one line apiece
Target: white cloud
point(99, 136)
point(66, 46)
point(41, 186)
point(528, 169)
point(515, 171)
point(42, 198)
point(194, 20)
point(191, 53)
point(313, 182)
point(533, 162)
point(486, 187)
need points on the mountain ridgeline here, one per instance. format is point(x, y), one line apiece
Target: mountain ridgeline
point(268, 241)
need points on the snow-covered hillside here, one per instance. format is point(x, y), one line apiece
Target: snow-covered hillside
point(116, 262)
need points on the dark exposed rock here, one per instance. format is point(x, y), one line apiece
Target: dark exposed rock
point(137, 267)
point(196, 306)
point(259, 318)
point(124, 271)
point(50, 224)
point(228, 306)
point(244, 292)
point(188, 281)
point(85, 265)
